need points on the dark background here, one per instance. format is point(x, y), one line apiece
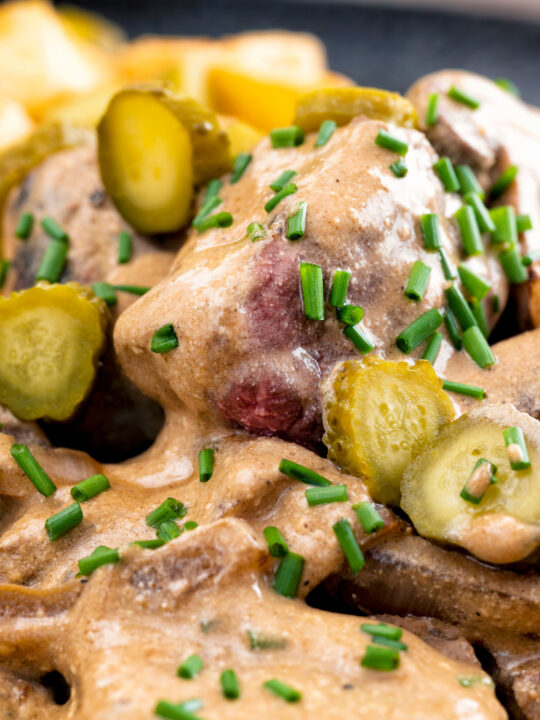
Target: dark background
point(373, 45)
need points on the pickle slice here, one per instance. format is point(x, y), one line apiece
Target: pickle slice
point(153, 148)
point(342, 104)
point(502, 523)
point(379, 415)
point(51, 337)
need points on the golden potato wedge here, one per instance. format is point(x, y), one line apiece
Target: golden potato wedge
point(15, 123)
point(92, 27)
point(83, 111)
point(243, 137)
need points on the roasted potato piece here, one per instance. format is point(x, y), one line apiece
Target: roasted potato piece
point(502, 522)
point(83, 110)
point(92, 27)
point(51, 337)
point(379, 415)
point(342, 104)
point(243, 137)
point(15, 123)
point(153, 148)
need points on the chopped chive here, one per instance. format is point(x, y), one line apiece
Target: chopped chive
point(340, 286)
point(219, 220)
point(447, 174)
point(394, 644)
point(468, 181)
point(206, 208)
point(326, 130)
point(241, 161)
point(528, 259)
point(482, 476)
point(206, 464)
point(449, 270)
point(164, 339)
point(312, 290)
point(168, 531)
point(53, 230)
point(191, 667)
point(289, 189)
point(304, 474)
point(212, 189)
point(191, 525)
point(229, 685)
point(483, 218)
point(105, 292)
point(24, 226)
point(459, 307)
point(102, 555)
point(470, 680)
point(513, 266)
point(523, 223)
point(477, 286)
point(503, 182)
point(350, 547)
point(149, 544)
point(258, 641)
point(399, 168)
point(430, 231)
point(516, 448)
point(168, 510)
point(391, 632)
point(452, 329)
point(477, 309)
point(419, 330)
point(462, 97)
point(350, 314)
point(256, 231)
point(432, 348)
point(178, 711)
point(355, 334)
point(432, 110)
point(283, 180)
point(89, 488)
point(508, 85)
point(418, 281)
point(368, 517)
point(289, 574)
point(277, 545)
point(53, 261)
point(461, 389)
point(323, 495)
point(284, 137)
point(385, 140)
point(133, 289)
point(477, 346)
point(32, 469)
point(4, 269)
point(124, 247)
point(59, 523)
point(296, 223)
point(495, 304)
point(469, 230)
point(380, 658)
point(504, 219)
point(285, 692)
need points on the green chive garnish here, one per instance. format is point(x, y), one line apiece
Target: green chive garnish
point(350, 314)
point(241, 161)
point(212, 189)
point(507, 85)
point(483, 475)
point(277, 545)
point(469, 230)
point(219, 220)
point(284, 179)
point(89, 488)
point(32, 469)
point(432, 348)
point(59, 524)
point(523, 223)
point(432, 110)
point(445, 170)
point(452, 329)
point(4, 269)
point(289, 574)
point(102, 555)
point(483, 218)
point(180, 711)
point(340, 285)
point(516, 448)
point(53, 230)
point(289, 189)
point(468, 181)
point(149, 544)
point(459, 307)
point(105, 292)
point(296, 223)
point(24, 226)
point(133, 289)
point(358, 338)
point(191, 525)
point(463, 98)
point(286, 692)
point(418, 281)
point(206, 464)
point(430, 231)
point(419, 330)
point(124, 247)
point(394, 644)
point(477, 309)
point(380, 658)
point(304, 474)
point(168, 531)
point(496, 303)
point(258, 641)
point(476, 285)
point(53, 261)
point(503, 182)
point(449, 271)
point(504, 219)
point(210, 203)
point(326, 131)
point(284, 137)
point(312, 290)
point(168, 510)
point(391, 632)
point(477, 346)
point(229, 685)
point(399, 168)
point(389, 142)
point(191, 667)
point(350, 547)
point(323, 495)
point(368, 517)
point(164, 339)
point(256, 231)
point(461, 389)
point(513, 266)
point(527, 260)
